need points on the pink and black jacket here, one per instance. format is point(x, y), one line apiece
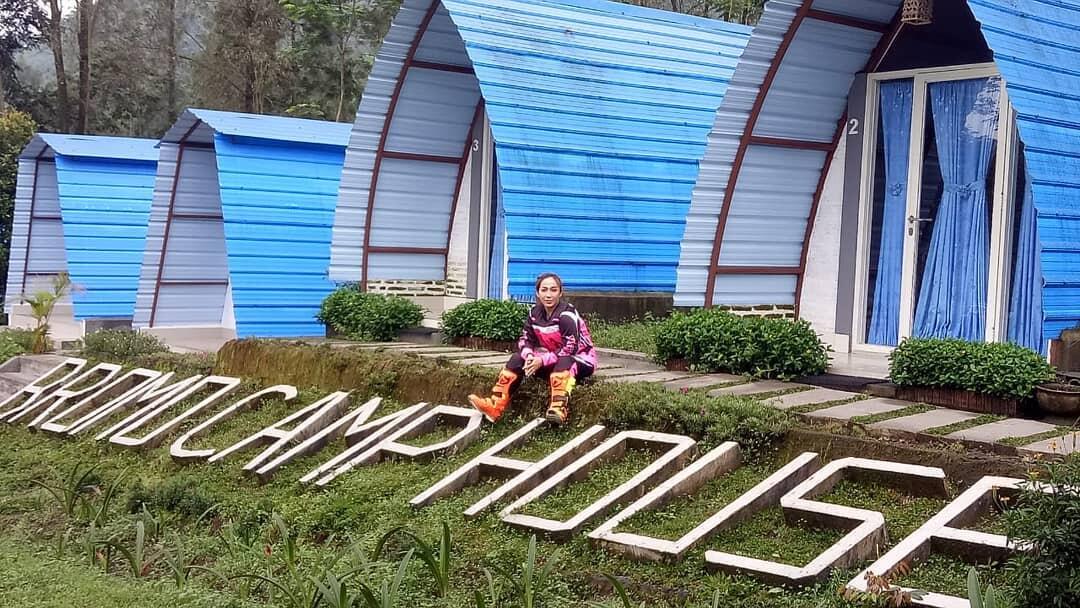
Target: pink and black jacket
point(563, 334)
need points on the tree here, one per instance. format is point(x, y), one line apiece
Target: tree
point(738, 11)
point(87, 11)
point(54, 25)
point(20, 30)
point(16, 129)
point(329, 48)
point(242, 67)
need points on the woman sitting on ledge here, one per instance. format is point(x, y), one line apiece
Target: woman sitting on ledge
point(554, 344)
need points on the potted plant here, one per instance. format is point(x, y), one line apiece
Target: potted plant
point(1061, 397)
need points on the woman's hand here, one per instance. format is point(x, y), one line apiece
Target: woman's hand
point(532, 365)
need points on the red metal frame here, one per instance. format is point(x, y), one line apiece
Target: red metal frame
point(197, 282)
point(744, 143)
point(197, 216)
point(419, 250)
point(796, 144)
point(30, 221)
point(757, 270)
point(430, 158)
point(747, 139)
point(169, 219)
point(443, 67)
point(872, 64)
point(380, 151)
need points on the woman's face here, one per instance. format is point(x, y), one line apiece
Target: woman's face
point(549, 292)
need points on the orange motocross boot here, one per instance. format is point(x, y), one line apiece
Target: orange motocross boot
point(493, 407)
point(562, 383)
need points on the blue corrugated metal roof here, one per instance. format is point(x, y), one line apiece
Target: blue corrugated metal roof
point(1035, 46)
point(1037, 49)
point(599, 113)
point(104, 187)
point(93, 146)
point(253, 202)
point(280, 128)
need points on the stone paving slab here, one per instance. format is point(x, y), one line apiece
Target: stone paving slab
point(466, 356)
point(1002, 429)
point(918, 423)
point(660, 376)
point(756, 387)
point(868, 407)
point(617, 372)
point(436, 349)
point(810, 397)
point(500, 359)
point(1066, 444)
point(702, 381)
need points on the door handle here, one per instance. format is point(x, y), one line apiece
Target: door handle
point(912, 220)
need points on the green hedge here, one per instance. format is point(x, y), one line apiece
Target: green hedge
point(121, 343)
point(368, 316)
point(491, 319)
point(15, 342)
point(1004, 370)
point(720, 341)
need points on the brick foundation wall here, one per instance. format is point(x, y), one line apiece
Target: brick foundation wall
point(408, 288)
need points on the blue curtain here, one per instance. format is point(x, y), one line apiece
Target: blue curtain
point(952, 299)
point(1025, 305)
point(896, 134)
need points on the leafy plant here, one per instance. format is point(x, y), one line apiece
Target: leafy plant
point(491, 319)
point(529, 583)
point(72, 489)
point(1048, 574)
point(1001, 369)
point(437, 560)
point(138, 559)
point(368, 316)
point(42, 304)
point(387, 594)
point(15, 342)
point(720, 341)
point(983, 598)
point(121, 344)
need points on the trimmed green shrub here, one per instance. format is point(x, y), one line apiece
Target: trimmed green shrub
point(15, 342)
point(368, 316)
point(638, 335)
point(121, 343)
point(491, 319)
point(1004, 370)
point(710, 420)
point(183, 495)
point(720, 341)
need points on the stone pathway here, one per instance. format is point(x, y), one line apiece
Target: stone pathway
point(842, 406)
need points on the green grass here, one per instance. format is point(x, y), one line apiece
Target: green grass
point(563, 503)
point(34, 576)
point(945, 574)
point(910, 410)
point(367, 502)
point(681, 515)
point(1029, 439)
point(941, 431)
point(637, 336)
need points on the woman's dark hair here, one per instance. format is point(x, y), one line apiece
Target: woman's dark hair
point(548, 275)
